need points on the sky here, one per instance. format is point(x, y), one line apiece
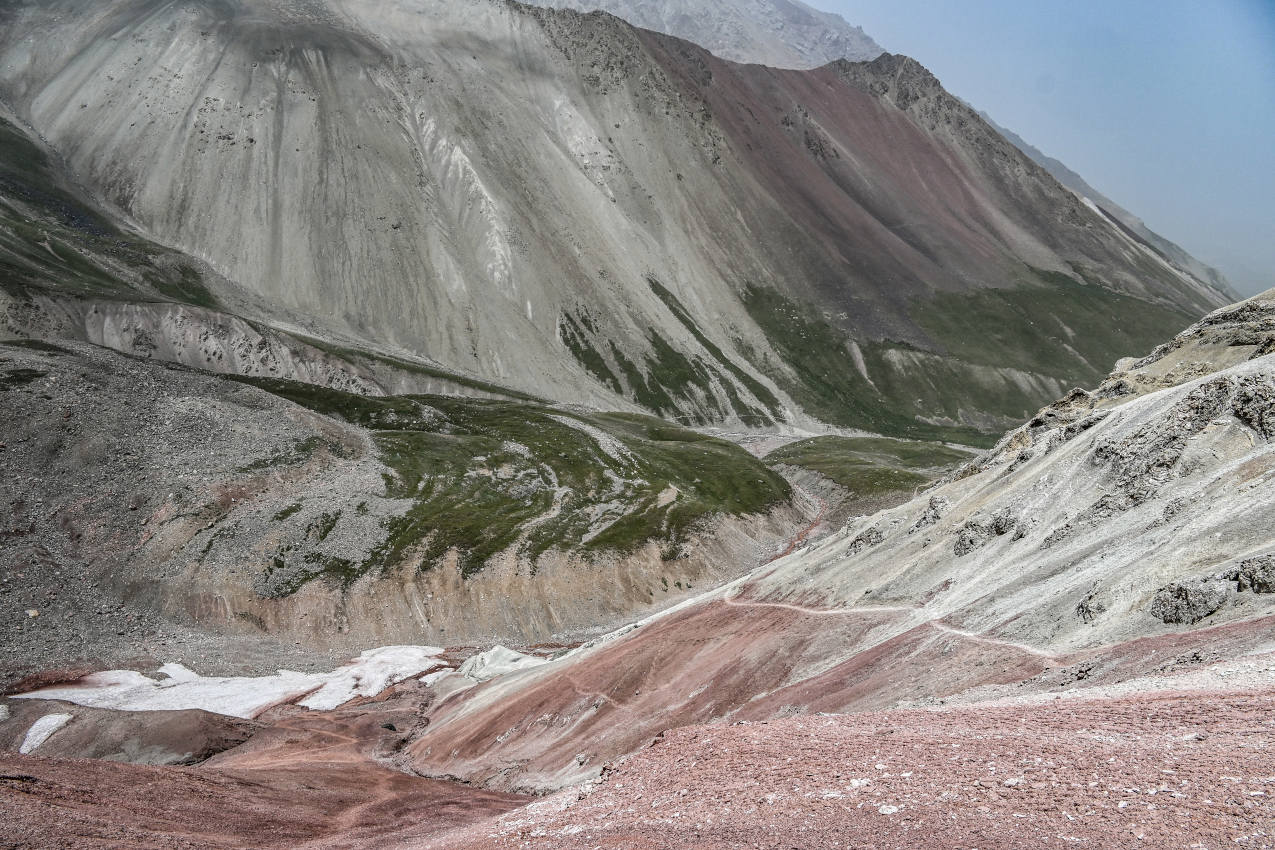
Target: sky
point(1165, 106)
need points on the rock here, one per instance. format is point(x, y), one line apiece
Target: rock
point(1257, 574)
point(868, 537)
point(971, 536)
point(1254, 404)
point(933, 513)
point(977, 532)
point(1089, 608)
point(32, 613)
point(1173, 508)
point(1004, 521)
point(1190, 600)
point(1024, 527)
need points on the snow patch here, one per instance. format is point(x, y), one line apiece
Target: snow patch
point(245, 696)
point(497, 661)
point(42, 730)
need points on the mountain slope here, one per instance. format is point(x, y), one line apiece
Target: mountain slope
point(778, 33)
point(672, 233)
point(1070, 638)
point(143, 498)
point(1118, 535)
point(1073, 181)
point(792, 35)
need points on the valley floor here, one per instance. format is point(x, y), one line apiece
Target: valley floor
point(1185, 766)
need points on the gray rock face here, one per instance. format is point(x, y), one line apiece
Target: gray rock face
point(1254, 405)
point(1257, 574)
point(866, 539)
point(978, 531)
point(933, 513)
point(1190, 600)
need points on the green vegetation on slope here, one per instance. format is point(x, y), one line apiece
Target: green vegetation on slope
point(759, 390)
point(827, 382)
point(482, 476)
point(870, 466)
point(577, 342)
point(1054, 331)
point(1071, 330)
point(668, 382)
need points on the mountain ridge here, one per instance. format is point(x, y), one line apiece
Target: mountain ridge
point(778, 33)
point(820, 206)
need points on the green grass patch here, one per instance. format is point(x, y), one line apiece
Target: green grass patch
point(870, 466)
point(290, 510)
point(827, 383)
point(14, 378)
point(481, 476)
point(302, 451)
point(1060, 326)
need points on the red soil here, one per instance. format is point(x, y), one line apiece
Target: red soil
point(1171, 770)
point(85, 803)
point(310, 778)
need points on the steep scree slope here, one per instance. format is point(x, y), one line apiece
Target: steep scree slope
point(565, 205)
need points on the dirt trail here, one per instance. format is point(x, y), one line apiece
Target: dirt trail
point(936, 624)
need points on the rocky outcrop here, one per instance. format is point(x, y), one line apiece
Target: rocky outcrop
point(976, 532)
point(1189, 602)
point(1257, 574)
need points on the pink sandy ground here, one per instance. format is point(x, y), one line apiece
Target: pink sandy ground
point(1173, 769)
point(1178, 769)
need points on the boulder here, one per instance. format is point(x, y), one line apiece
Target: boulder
point(1190, 600)
point(1257, 574)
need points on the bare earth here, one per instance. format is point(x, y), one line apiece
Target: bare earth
point(1178, 769)
point(309, 776)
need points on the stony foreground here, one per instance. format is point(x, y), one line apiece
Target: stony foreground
point(1174, 768)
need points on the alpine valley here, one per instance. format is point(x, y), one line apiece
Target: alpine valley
point(473, 424)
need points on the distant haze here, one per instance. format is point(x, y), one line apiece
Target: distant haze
point(1167, 106)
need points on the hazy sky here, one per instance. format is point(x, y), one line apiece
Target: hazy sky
point(1165, 106)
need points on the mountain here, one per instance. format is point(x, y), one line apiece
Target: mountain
point(1118, 214)
point(778, 33)
point(782, 35)
point(358, 195)
point(414, 408)
point(1074, 620)
point(1119, 535)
